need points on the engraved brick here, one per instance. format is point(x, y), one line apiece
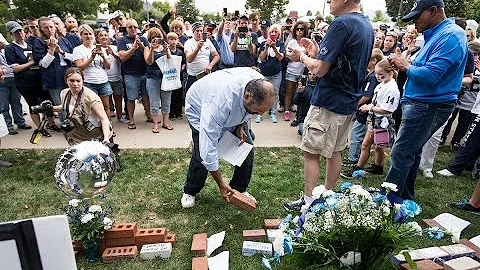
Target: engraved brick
point(121, 230)
point(251, 248)
point(254, 235)
point(112, 254)
point(272, 223)
point(463, 263)
point(149, 236)
point(199, 245)
point(423, 265)
point(152, 251)
point(472, 246)
point(243, 201)
point(200, 263)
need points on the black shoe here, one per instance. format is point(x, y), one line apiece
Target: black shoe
point(375, 169)
point(455, 146)
point(348, 163)
point(45, 133)
point(294, 123)
point(25, 126)
point(294, 205)
point(349, 174)
point(54, 128)
point(466, 206)
point(13, 132)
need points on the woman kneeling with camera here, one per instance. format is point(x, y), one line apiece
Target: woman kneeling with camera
point(85, 116)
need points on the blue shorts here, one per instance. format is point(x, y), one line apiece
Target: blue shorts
point(292, 78)
point(135, 85)
point(101, 89)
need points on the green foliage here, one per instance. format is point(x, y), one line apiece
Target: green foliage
point(188, 10)
point(309, 13)
point(379, 16)
point(86, 229)
point(473, 11)
point(453, 8)
point(36, 8)
point(124, 5)
point(269, 9)
point(329, 19)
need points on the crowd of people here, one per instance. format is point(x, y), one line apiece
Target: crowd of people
point(401, 88)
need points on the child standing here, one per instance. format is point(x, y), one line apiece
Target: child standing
point(385, 101)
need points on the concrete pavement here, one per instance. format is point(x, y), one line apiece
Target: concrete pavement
point(267, 134)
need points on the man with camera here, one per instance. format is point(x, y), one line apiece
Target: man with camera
point(199, 50)
point(244, 44)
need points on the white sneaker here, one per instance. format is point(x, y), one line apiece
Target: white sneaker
point(187, 200)
point(250, 196)
point(427, 173)
point(446, 172)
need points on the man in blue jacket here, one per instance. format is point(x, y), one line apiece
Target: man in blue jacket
point(434, 79)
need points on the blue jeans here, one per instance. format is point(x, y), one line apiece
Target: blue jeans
point(55, 95)
point(135, 85)
point(419, 122)
point(9, 96)
point(101, 89)
point(155, 95)
point(277, 81)
point(356, 138)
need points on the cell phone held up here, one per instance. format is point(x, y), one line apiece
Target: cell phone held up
point(204, 36)
point(225, 12)
point(303, 80)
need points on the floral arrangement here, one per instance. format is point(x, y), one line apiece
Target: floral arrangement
point(354, 227)
point(87, 221)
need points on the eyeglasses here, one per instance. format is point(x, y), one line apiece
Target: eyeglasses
point(133, 26)
point(33, 26)
point(73, 32)
point(301, 29)
point(469, 35)
point(475, 54)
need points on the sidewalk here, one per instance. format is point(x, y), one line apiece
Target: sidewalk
point(267, 134)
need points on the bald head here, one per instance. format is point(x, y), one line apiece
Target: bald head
point(260, 89)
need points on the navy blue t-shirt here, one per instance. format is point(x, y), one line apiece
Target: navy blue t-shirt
point(153, 70)
point(347, 46)
point(136, 65)
point(271, 66)
point(32, 77)
point(242, 57)
point(369, 88)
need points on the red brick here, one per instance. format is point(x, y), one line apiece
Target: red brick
point(200, 263)
point(121, 230)
point(199, 245)
point(472, 246)
point(272, 223)
point(254, 235)
point(101, 245)
point(171, 238)
point(423, 265)
point(149, 236)
point(119, 242)
point(77, 245)
point(243, 201)
point(432, 223)
point(112, 254)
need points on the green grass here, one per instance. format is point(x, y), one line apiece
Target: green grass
point(148, 190)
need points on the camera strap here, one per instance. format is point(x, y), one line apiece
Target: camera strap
point(66, 103)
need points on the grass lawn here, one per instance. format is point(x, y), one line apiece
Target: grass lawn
point(148, 190)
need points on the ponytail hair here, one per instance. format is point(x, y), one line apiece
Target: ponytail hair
point(385, 65)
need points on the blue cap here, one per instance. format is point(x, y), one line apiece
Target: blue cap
point(265, 24)
point(421, 5)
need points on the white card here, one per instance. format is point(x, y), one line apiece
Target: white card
point(214, 241)
point(219, 262)
point(451, 222)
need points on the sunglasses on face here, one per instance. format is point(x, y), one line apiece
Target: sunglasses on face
point(299, 29)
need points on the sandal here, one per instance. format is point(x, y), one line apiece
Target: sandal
point(155, 129)
point(132, 126)
point(466, 206)
point(167, 127)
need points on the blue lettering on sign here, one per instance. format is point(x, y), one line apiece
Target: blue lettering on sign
point(170, 71)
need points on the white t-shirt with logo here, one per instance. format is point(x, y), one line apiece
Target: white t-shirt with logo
point(93, 73)
point(203, 56)
point(295, 68)
point(386, 96)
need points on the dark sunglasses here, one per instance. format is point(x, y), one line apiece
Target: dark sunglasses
point(301, 29)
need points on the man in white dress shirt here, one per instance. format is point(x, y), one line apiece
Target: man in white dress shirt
point(223, 102)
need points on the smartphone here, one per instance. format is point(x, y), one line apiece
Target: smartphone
point(273, 38)
point(225, 11)
point(160, 41)
point(98, 46)
point(123, 30)
point(237, 14)
point(242, 29)
point(201, 74)
point(303, 80)
point(204, 36)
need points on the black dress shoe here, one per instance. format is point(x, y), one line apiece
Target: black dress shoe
point(25, 126)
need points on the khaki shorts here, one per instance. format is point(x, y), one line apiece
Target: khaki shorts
point(325, 132)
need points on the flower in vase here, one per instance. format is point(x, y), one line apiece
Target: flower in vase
point(107, 222)
point(86, 218)
point(74, 202)
point(414, 225)
point(95, 208)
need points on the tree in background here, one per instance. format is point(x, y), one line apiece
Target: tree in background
point(474, 11)
point(124, 5)
point(37, 8)
point(267, 8)
point(188, 10)
point(379, 16)
point(309, 13)
point(453, 8)
point(159, 9)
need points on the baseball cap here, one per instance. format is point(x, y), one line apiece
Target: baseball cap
point(289, 20)
point(265, 24)
point(196, 25)
point(421, 5)
point(116, 14)
point(13, 27)
point(244, 17)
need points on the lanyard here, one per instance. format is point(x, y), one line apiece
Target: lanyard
point(66, 103)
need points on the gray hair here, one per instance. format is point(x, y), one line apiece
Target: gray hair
point(260, 89)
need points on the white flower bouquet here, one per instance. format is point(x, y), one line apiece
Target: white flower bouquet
point(87, 221)
point(354, 228)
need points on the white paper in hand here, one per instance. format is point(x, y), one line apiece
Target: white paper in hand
point(230, 150)
point(451, 222)
point(214, 241)
point(219, 262)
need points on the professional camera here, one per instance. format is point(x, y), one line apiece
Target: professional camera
point(318, 36)
point(67, 125)
point(45, 106)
